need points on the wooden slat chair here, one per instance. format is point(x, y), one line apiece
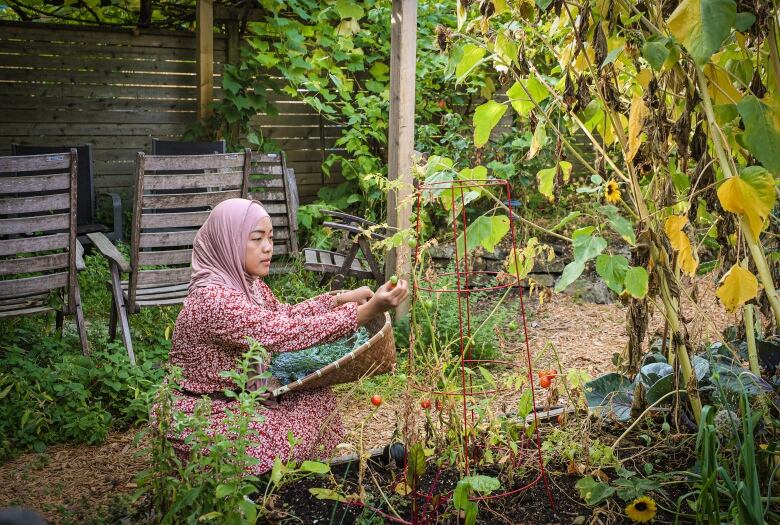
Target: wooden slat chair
point(162, 232)
point(346, 260)
point(39, 252)
point(273, 184)
point(87, 197)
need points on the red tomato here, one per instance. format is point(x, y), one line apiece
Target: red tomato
point(439, 405)
point(545, 382)
point(376, 400)
point(552, 374)
point(442, 103)
point(425, 403)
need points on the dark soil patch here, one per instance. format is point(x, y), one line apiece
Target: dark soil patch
point(530, 506)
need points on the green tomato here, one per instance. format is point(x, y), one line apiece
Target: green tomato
point(412, 243)
point(428, 304)
point(394, 280)
point(512, 325)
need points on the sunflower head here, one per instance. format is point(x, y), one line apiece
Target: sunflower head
point(612, 192)
point(641, 510)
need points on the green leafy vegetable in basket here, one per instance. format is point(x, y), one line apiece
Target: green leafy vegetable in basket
point(291, 366)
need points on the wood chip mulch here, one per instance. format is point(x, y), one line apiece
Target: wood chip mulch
point(75, 480)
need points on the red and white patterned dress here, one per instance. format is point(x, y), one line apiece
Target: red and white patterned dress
point(211, 335)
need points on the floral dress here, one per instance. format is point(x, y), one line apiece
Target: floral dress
point(211, 335)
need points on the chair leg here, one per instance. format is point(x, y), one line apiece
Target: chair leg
point(112, 320)
point(338, 279)
point(58, 320)
point(365, 246)
point(80, 324)
point(121, 311)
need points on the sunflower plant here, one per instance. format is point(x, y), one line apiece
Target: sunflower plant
point(680, 109)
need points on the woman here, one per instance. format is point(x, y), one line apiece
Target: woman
point(228, 302)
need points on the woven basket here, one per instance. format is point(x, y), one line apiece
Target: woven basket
point(375, 356)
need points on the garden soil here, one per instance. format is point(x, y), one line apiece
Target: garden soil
point(74, 481)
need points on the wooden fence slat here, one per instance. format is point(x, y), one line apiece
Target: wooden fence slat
point(34, 204)
point(103, 64)
point(165, 258)
point(41, 263)
point(41, 223)
point(191, 181)
point(28, 183)
point(31, 285)
point(118, 36)
point(97, 103)
point(77, 116)
point(33, 244)
point(17, 130)
point(88, 77)
point(167, 239)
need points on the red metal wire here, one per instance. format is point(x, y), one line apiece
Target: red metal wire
point(462, 276)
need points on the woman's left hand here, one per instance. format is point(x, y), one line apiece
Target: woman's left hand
point(359, 295)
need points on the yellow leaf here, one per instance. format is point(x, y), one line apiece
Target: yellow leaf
point(687, 259)
point(720, 85)
point(403, 489)
point(636, 122)
point(538, 140)
point(737, 287)
point(751, 194)
point(644, 77)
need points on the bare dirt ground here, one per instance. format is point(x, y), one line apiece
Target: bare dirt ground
point(68, 483)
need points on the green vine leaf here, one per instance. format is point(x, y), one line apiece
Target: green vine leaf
point(613, 269)
point(523, 102)
point(702, 25)
point(762, 130)
point(636, 282)
point(570, 274)
point(486, 117)
point(655, 52)
point(587, 246)
point(484, 231)
point(546, 178)
point(347, 9)
point(472, 56)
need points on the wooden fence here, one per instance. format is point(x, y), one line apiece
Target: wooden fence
point(117, 89)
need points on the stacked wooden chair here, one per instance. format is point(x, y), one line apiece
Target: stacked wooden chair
point(173, 197)
point(39, 252)
point(273, 184)
point(88, 197)
point(352, 257)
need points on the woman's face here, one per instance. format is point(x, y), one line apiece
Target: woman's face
point(259, 248)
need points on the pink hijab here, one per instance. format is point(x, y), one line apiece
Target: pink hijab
point(220, 244)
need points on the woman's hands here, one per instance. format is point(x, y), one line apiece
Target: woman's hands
point(386, 297)
point(359, 295)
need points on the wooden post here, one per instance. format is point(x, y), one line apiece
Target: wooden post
point(400, 140)
point(204, 15)
point(234, 59)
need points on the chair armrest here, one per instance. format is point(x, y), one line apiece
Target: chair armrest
point(109, 251)
point(348, 218)
point(355, 230)
point(116, 207)
point(80, 257)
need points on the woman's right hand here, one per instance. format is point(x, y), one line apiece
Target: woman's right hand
point(386, 297)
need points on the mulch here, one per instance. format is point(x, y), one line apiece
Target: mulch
point(75, 480)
